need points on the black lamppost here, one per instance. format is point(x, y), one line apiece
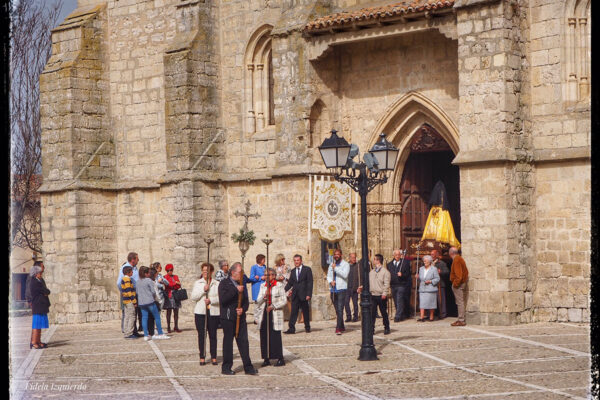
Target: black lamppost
point(337, 155)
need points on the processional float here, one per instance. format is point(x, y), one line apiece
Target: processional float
point(439, 231)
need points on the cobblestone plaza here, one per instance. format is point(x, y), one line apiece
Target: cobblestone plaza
point(416, 361)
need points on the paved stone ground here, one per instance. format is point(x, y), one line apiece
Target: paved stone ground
point(417, 361)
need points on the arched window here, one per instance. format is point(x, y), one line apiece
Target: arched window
point(577, 50)
point(319, 124)
point(259, 102)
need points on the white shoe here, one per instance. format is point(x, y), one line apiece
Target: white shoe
point(146, 338)
point(163, 336)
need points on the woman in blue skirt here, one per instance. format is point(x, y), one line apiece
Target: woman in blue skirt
point(40, 305)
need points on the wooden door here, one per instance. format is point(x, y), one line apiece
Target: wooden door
point(430, 160)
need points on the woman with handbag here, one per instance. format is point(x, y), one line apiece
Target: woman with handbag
point(206, 294)
point(171, 304)
point(429, 279)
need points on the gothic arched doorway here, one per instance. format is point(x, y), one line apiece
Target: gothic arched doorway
point(430, 160)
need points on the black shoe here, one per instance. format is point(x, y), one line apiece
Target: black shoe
point(266, 363)
point(137, 334)
point(214, 362)
point(355, 319)
point(252, 371)
point(347, 320)
point(396, 319)
point(307, 330)
point(289, 332)
point(387, 331)
point(280, 362)
point(228, 372)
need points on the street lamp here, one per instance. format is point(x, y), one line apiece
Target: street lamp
point(336, 155)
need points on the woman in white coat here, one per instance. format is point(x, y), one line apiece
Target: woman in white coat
point(429, 279)
point(269, 306)
point(206, 294)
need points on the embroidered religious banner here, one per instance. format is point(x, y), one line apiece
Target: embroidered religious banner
point(331, 213)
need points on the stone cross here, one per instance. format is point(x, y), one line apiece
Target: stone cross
point(246, 215)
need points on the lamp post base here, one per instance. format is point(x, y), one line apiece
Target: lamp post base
point(367, 353)
point(367, 348)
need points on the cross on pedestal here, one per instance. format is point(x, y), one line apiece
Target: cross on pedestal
point(246, 215)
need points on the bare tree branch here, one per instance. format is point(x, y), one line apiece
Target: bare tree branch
point(31, 46)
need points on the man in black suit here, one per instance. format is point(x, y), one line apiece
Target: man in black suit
point(301, 283)
point(401, 285)
point(229, 288)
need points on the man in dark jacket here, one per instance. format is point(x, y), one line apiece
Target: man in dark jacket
point(401, 285)
point(352, 293)
point(229, 290)
point(301, 283)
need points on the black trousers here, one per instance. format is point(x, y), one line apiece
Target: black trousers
point(137, 327)
point(297, 305)
point(401, 296)
point(213, 322)
point(339, 301)
point(242, 343)
point(151, 323)
point(354, 296)
point(275, 344)
point(378, 302)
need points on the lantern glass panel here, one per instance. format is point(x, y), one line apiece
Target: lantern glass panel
point(328, 155)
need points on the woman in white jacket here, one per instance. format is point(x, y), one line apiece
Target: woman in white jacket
point(206, 294)
point(270, 306)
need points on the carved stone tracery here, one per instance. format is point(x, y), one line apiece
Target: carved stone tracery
point(427, 140)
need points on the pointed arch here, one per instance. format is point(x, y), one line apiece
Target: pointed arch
point(400, 122)
point(402, 119)
point(258, 82)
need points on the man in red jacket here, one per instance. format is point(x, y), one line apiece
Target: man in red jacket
point(459, 276)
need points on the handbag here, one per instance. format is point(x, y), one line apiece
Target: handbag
point(180, 294)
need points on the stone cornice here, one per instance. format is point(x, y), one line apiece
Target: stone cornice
point(485, 156)
point(552, 155)
point(510, 155)
point(180, 176)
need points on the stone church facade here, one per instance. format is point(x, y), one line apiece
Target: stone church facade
point(162, 117)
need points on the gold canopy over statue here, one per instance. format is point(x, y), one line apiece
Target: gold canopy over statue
point(438, 227)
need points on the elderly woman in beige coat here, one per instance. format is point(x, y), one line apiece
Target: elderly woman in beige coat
point(206, 295)
point(269, 317)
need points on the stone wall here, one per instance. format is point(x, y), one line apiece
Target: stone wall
point(494, 151)
point(79, 253)
point(561, 132)
point(146, 145)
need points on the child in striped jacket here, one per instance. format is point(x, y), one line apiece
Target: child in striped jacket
point(129, 302)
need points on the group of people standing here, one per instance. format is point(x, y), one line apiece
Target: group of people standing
point(344, 279)
point(223, 300)
point(144, 293)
